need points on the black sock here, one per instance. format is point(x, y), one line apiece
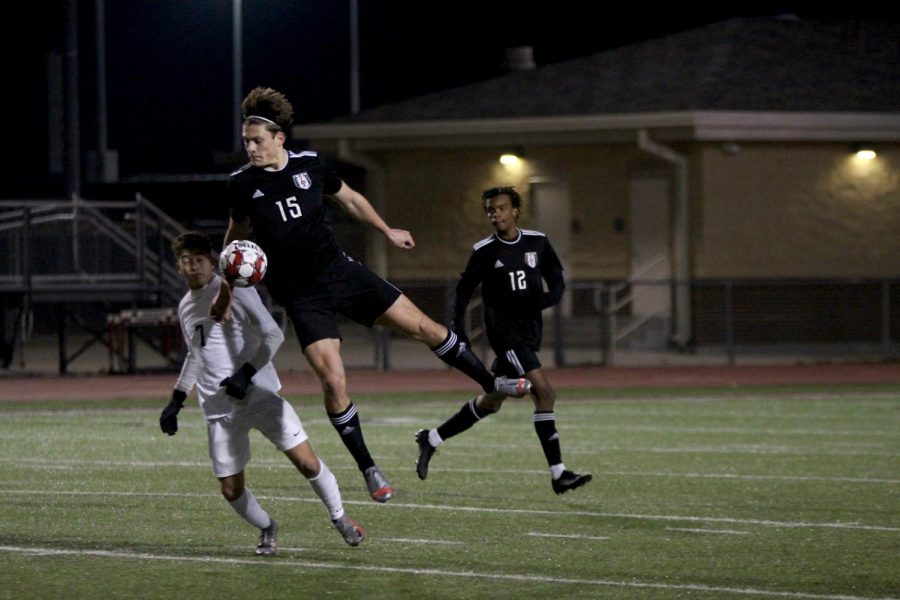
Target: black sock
point(462, 420)
point(457, 354)
point(348, 427)
point(545, 426)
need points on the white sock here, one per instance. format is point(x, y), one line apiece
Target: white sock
point(326, 487)
point(556, 471)
point(433, 438)
point(250, 510)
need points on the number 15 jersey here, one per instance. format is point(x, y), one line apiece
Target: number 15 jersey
point(289, 218)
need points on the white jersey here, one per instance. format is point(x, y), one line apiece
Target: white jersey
point(218, 350)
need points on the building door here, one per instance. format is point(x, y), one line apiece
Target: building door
point(651, 247)
point(551, 211)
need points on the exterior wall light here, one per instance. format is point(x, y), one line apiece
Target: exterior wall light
point(865, 154)
point(509, 159)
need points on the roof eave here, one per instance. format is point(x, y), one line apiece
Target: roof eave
point(670, 126)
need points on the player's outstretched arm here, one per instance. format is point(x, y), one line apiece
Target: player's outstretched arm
point(220, 309)
point(358, 207)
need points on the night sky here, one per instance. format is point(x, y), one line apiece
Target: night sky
point(169, 67)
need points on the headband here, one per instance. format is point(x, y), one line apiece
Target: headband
point(263, 119)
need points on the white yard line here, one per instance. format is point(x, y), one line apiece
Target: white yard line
point(728, 430)
point(72, 464)
point(426, 572)
point(751, 477)
point(691, 530)
point(419, 541)
point(482, 509)
point(567, 536)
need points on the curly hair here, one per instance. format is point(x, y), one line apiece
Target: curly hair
point(269, 107)
point(514, 197)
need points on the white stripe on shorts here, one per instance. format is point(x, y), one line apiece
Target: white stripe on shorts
point(514, 361)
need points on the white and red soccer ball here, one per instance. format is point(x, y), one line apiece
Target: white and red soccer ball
point(243, 263)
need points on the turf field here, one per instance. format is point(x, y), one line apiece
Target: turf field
point(702, 494)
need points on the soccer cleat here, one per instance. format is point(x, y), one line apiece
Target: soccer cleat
point(426, 451)
point(379, 488)
point(268, 540)
point(569, 481)
point(516, 388)
point(351, 530)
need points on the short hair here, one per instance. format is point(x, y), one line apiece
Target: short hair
point(192, 241)
point(269, 107)
point(493, 192)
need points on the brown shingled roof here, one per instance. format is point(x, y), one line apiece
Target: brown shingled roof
point(744, 64)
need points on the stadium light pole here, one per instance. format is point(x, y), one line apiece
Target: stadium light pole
point(354, 56)
point(73, 132)
point(237, 72)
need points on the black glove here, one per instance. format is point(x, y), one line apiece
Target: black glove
point(236, 385)
point(168, 420)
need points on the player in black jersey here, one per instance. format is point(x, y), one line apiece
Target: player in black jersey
point(511, 266)
point(281, 194)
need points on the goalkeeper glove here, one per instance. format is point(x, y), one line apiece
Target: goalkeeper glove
point(168, 420)
point(236, 385)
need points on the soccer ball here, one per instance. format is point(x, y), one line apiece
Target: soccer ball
point(243, 263)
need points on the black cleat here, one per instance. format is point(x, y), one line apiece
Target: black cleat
point(268, 540)
point(569, 481)
point(426, 451)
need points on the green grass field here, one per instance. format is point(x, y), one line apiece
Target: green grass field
point(777, 493)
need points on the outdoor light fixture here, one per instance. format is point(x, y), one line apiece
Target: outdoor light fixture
point(509, 159)
point(863, 152)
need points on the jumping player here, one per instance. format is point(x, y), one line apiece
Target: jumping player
point(280, 193)
point(511, 266)
point(222, 359)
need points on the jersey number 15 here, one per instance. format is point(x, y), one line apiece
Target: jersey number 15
point(293, 208)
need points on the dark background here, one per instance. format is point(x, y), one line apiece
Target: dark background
point(169, 65)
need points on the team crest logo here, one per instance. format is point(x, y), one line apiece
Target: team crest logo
point(302, 180)
point(531, 259)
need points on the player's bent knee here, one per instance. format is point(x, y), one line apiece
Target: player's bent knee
point(544, 401)
point(489, 406)
point(231, 492)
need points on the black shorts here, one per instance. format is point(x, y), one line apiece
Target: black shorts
point(346, 287)
point(516, 342)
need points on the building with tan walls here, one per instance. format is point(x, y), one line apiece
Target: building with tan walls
point(721, 153)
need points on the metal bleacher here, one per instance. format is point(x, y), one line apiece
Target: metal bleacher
point(102, 266)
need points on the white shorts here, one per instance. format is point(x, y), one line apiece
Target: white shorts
point(229, 436)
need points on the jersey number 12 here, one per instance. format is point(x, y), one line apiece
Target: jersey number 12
point(517, 280)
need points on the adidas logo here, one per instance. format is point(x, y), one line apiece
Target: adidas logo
point(258, 194)
point(348, 430)
point(498, 264)
point(462, 348)
point(555, 436)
